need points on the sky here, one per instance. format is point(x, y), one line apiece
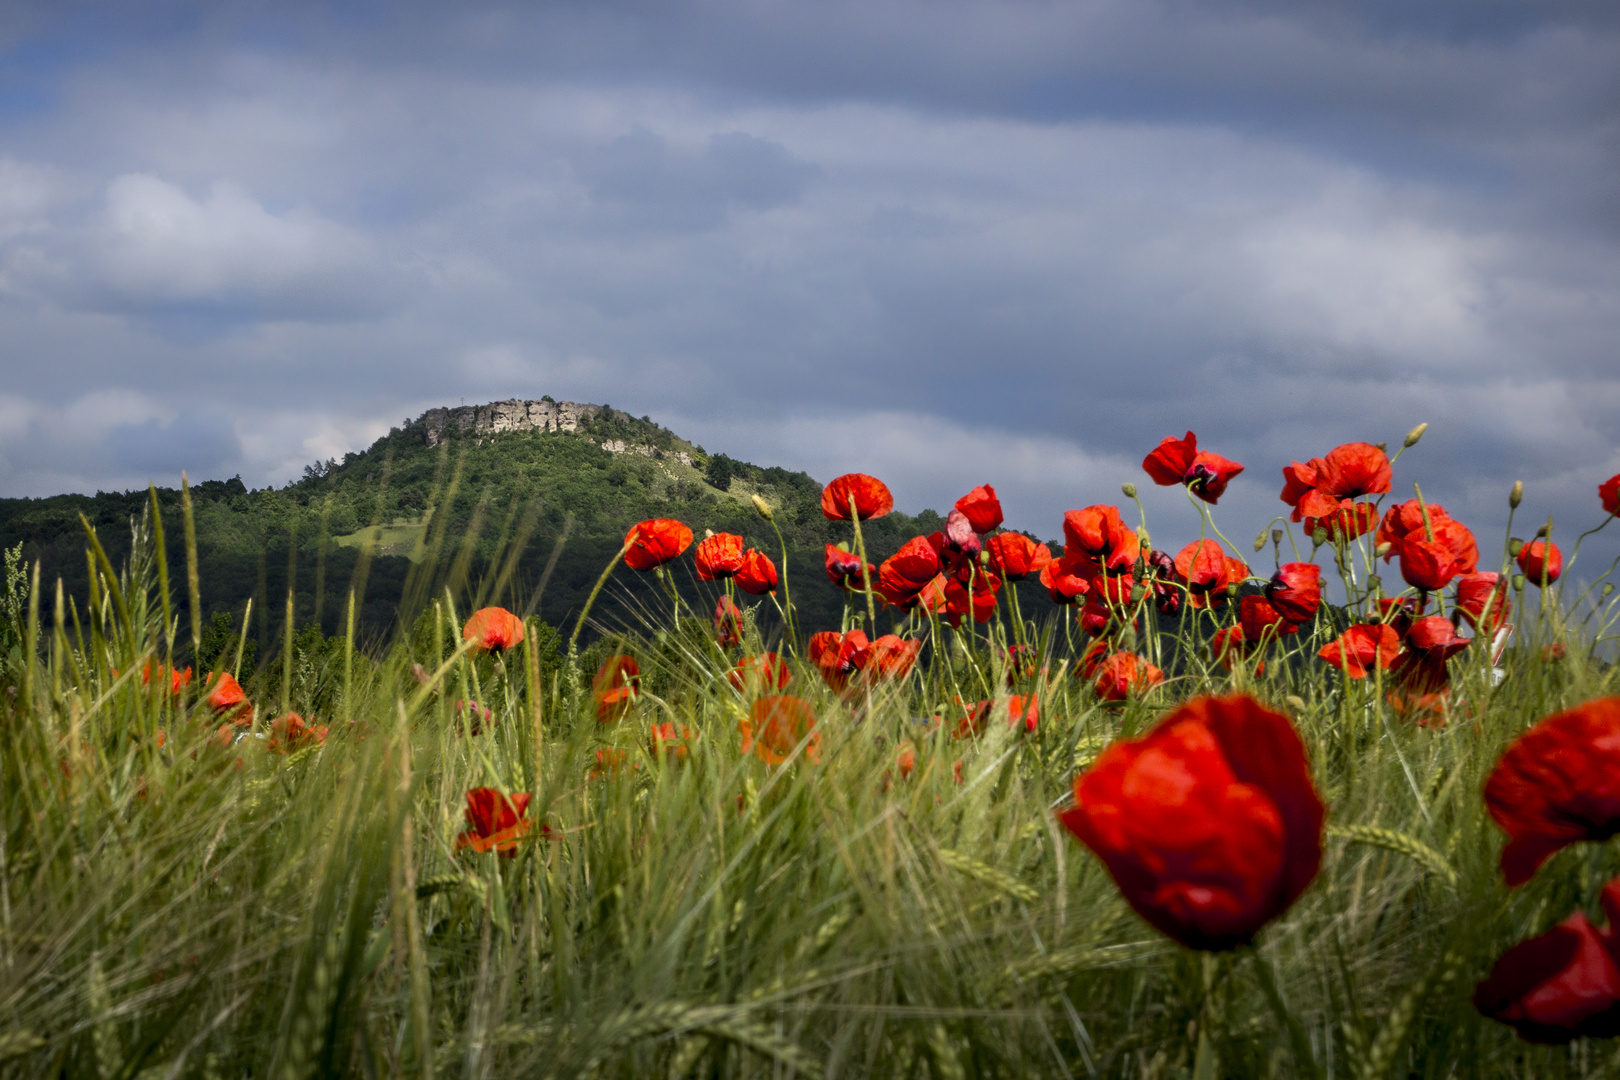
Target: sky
point(945, 243)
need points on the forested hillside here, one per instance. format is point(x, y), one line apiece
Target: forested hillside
point(404, 520)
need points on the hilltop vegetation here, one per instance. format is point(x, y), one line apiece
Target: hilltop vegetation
point(401, 521)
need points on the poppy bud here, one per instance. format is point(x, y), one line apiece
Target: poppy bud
point(1137, 592)
point(1382, 446)
point(1232, 591)
point(1129, 490)
point(1415, 434)
point(1518, 582)
point(1374, 583)
point(1319, 537)
point(707, 533)
point(1260, 541)
point(762, 508)
point(1516, 496)
point(1384, 549)
point(1543, 530)
point(1515, 546)
point(1608, 587)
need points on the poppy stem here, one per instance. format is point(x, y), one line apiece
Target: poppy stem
point(791, 634)
point(579, 625)
point(1298, 1041)
point(1428, 526)
point(866, 567)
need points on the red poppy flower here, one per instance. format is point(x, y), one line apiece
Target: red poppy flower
point(1560, 985)
point(1098, 532)
point(494, 629)
point(615, 686)
point(1209, 823)
point(1477, 591)
point(767, 671)
point(1404, 523)
point(718, 556)
point(1228, 646)
point(655, 542)
point(497, 821)
point(176, 679)
point(227, 693)
point(1541, 557)
point(1179, 461)
point(870, 495)
point(775, 726)
point(1346, 523)
point(1362, 648)
point(835, 655)
point(669, 741)
point(1015, 556)
point(844, 568)
point(1124, 673)
point(1021, 709)
point(889, 657)
point(1095, 616)
point(981, 508)
point(1557, 784)
point(728, 620)
point(1323, 486)
point(1421, 667)
point(1067, 581)
point(1259, 618)
point(292, 732)
point(1018, 661)
point(1427, 564)
point(758, 574)
point(958, 535)
point(1295, 590)
point(1206, 570)
point(610, 761)
point(908, 571)
point(1609, 494)
point(981, 600)
point(477, 716)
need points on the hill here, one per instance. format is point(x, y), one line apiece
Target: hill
point(459, 498)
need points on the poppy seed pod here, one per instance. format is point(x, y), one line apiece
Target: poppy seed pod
point(1319, 537)
point(1515, 545)
point(1518, 582)
point(1276, 536)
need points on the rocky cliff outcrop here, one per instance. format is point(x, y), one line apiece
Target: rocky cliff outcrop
point(499, 416)
point(514, 415)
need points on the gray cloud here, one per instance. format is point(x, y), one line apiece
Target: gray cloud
point(1017, 242)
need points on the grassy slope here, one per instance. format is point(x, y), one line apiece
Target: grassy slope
point(229, 911)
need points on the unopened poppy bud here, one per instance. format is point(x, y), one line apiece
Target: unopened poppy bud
point(707, 533)
point(1416, 433)
point(1382, 446)
point(1232, 591)
point(1129, 490)
point(1137, 592)
point(1516, 496)
point(1608, 587)
point(1544, 530)
point(1515, 546)
point(1295, 702)
point(1518, 582)
point(1260, 541)
point(762, 508)
point(1319, 537)
point(1384, 548)
point(1374, 583)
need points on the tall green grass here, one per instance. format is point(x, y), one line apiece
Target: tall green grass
point(171, 906)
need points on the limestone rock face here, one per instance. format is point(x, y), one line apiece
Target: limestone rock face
point(499, 416)
point(515, 415)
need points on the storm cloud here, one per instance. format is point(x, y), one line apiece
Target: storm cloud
point(948, 243)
